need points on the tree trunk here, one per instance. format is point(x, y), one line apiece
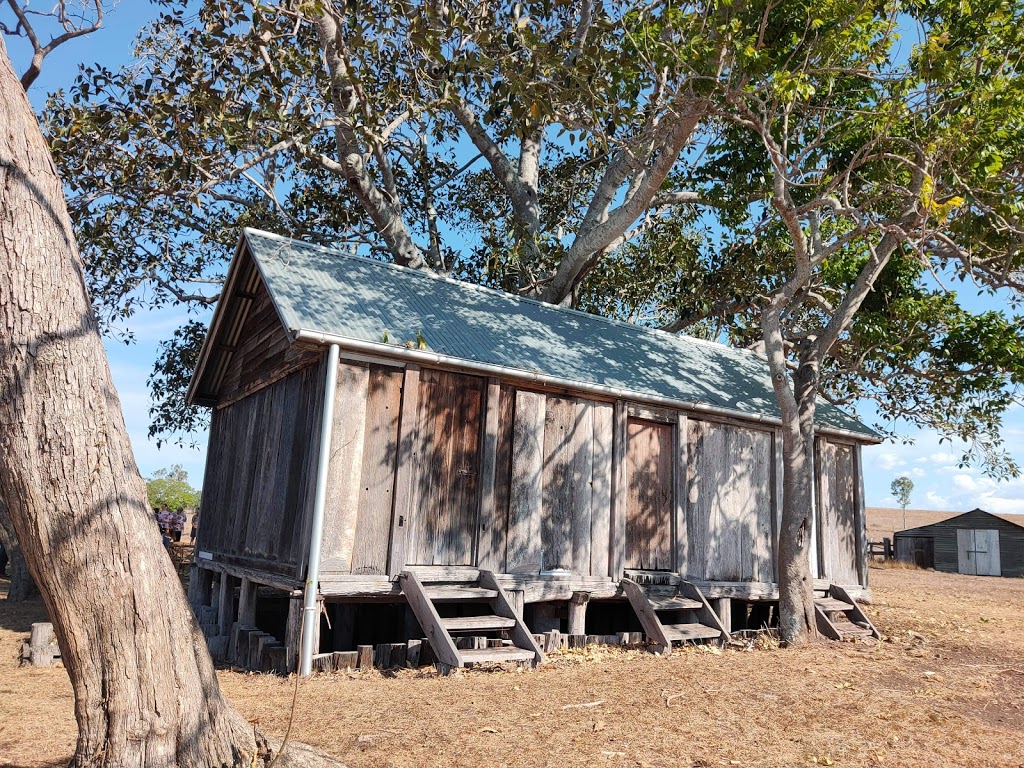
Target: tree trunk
point(22, 587)
point(797, 624)
point(795, 396)
point(145, 689)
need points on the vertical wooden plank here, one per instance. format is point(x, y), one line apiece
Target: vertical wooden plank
point(464, 480)
point(525, 552)
point(620, 491)
point(993, 564)
point(696, 514)
point(277, 494)
point(966, 562)
point(860, 518)
point(406, 472)
point(581, 473)
point(503, 476)
point(489, 556)
point(556, 529)
point(777, 477)
point(347, 438)
point(847, 547)
point(733, 477)
point(270, 474)
point(818, 496)
point(376, 487)
point(650, 506)
point(759, 511)
point(680, 558)
point(313, 390)
point(601, 489)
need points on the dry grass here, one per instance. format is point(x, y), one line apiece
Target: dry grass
point(943, 690)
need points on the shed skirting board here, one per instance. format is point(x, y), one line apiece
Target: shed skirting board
point(421, 357)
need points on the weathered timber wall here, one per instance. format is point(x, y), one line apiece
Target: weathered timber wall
point(460, 470)
point(259, 482)
point(262, 351)
point(839, 529)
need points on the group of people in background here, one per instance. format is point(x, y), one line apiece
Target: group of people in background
point(172, 524)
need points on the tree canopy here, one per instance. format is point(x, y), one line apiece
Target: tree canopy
point(170, 488)
point(675, 164)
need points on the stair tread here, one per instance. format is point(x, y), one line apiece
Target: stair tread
point(831, 604)
point(847, 629)
point(673, 603)
point(476, 623)
point(691, 632)
point(506, 653)
point(446, 593)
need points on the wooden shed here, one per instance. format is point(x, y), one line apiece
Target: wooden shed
point(410, 450)
point(975, 543)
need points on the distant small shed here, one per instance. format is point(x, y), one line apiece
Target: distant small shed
point(374, 427)
point(975, 543)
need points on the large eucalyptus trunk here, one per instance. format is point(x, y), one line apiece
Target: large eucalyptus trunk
point(22, 586)
point(144, 685)
point(797, 624)
point(795, 394)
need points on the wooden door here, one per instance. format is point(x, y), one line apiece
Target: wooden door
point(837, 514)
point(444, 519)
point(650, 498)
point(978, 552)
point(919, 550)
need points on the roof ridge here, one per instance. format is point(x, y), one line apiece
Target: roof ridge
point(496, 291)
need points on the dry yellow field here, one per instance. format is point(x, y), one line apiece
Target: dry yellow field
point(945, 688)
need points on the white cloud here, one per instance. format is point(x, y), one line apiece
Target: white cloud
point(888, 461)
point(917, 472)
point(936, 501)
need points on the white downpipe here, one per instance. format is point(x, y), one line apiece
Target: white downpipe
point(310, 609)
point(529, 377)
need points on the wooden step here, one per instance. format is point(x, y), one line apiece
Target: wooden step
point(685, 632)
point(449, 593)
point(831, 605)
point(477, 623)
point(672, 603)
point(507, 653)
point(846, 629)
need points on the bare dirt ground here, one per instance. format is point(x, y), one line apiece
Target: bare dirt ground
point(945, 688)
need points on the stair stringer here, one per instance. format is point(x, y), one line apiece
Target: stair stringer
point(519, 634)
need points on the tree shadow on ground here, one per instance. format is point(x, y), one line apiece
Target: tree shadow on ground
point(19, 617)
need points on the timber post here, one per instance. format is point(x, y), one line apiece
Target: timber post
point(578, 613)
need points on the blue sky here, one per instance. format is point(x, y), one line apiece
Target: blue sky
point(938, 482)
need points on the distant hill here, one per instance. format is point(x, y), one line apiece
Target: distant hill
point(883, 521)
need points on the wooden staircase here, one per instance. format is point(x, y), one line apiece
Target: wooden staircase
point(674, 614)
point(512, 642)
point(840, 618)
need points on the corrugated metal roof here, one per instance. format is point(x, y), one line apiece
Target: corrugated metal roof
point(322, 290)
